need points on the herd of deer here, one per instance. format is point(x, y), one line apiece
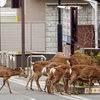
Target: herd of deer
point(76, 68)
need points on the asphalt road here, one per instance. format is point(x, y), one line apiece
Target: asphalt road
point(19, 92)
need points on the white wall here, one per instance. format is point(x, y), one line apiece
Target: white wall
point(11, 36)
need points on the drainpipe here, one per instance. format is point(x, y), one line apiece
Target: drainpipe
point(59, 28)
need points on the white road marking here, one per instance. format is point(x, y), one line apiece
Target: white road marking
point(18, 82)
point(67, 97)
point(25, 96)
point(80, 97)
point(71, 97)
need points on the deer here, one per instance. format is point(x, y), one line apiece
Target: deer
point(6, 73)
point(46, 72)
point(78, 59)
point(84, 73)
point(55, 75)
point(39, 65)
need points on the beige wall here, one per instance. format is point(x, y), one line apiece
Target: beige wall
point(35, 9)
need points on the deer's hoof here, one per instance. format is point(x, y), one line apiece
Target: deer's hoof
point(76, 93)
point(61, 93)
point(52, 93)
point(65, 91)
point(40, 89)
point(26, 88)
point(68, 93)
point(31, 89)
point(10, 92)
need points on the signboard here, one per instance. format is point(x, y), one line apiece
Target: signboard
point(66, 26)
point(66, 38)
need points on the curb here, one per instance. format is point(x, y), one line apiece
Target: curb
point(83, 89)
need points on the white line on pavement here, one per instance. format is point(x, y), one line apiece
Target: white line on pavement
point(72, 97)
point(68, 97)
point(80, 97)
point(24, 96)
point(19, 82)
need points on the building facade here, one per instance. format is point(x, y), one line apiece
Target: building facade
point(41, 19)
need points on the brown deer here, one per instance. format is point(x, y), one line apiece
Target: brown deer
point(55, 75)
point(84, 73)
point(6, 73)
point(75, 71)
point(78, 59)
point(46, 72)
point(39, 65)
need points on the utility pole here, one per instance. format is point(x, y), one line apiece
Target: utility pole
point(23, 33)
point(59, 28)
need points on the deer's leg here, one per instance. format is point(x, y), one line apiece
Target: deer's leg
point(49, 83)
point(65, 81)
point(98, 81)
point(4, 80)
point(28, 82)
point(66, 86)
point(8, 86)
point(46, 82)
point(30, 78)
point(75, 88)
point(56, 81)
point(73, 79)
point(56, 87)
point(37, 81)
point(51, 89)
point(69, 87)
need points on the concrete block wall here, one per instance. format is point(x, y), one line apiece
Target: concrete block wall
point(51, 30)
point(85, 15)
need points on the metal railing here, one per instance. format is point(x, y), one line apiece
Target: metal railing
point(8, 59)
point(3, 58)
point(43, 58)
